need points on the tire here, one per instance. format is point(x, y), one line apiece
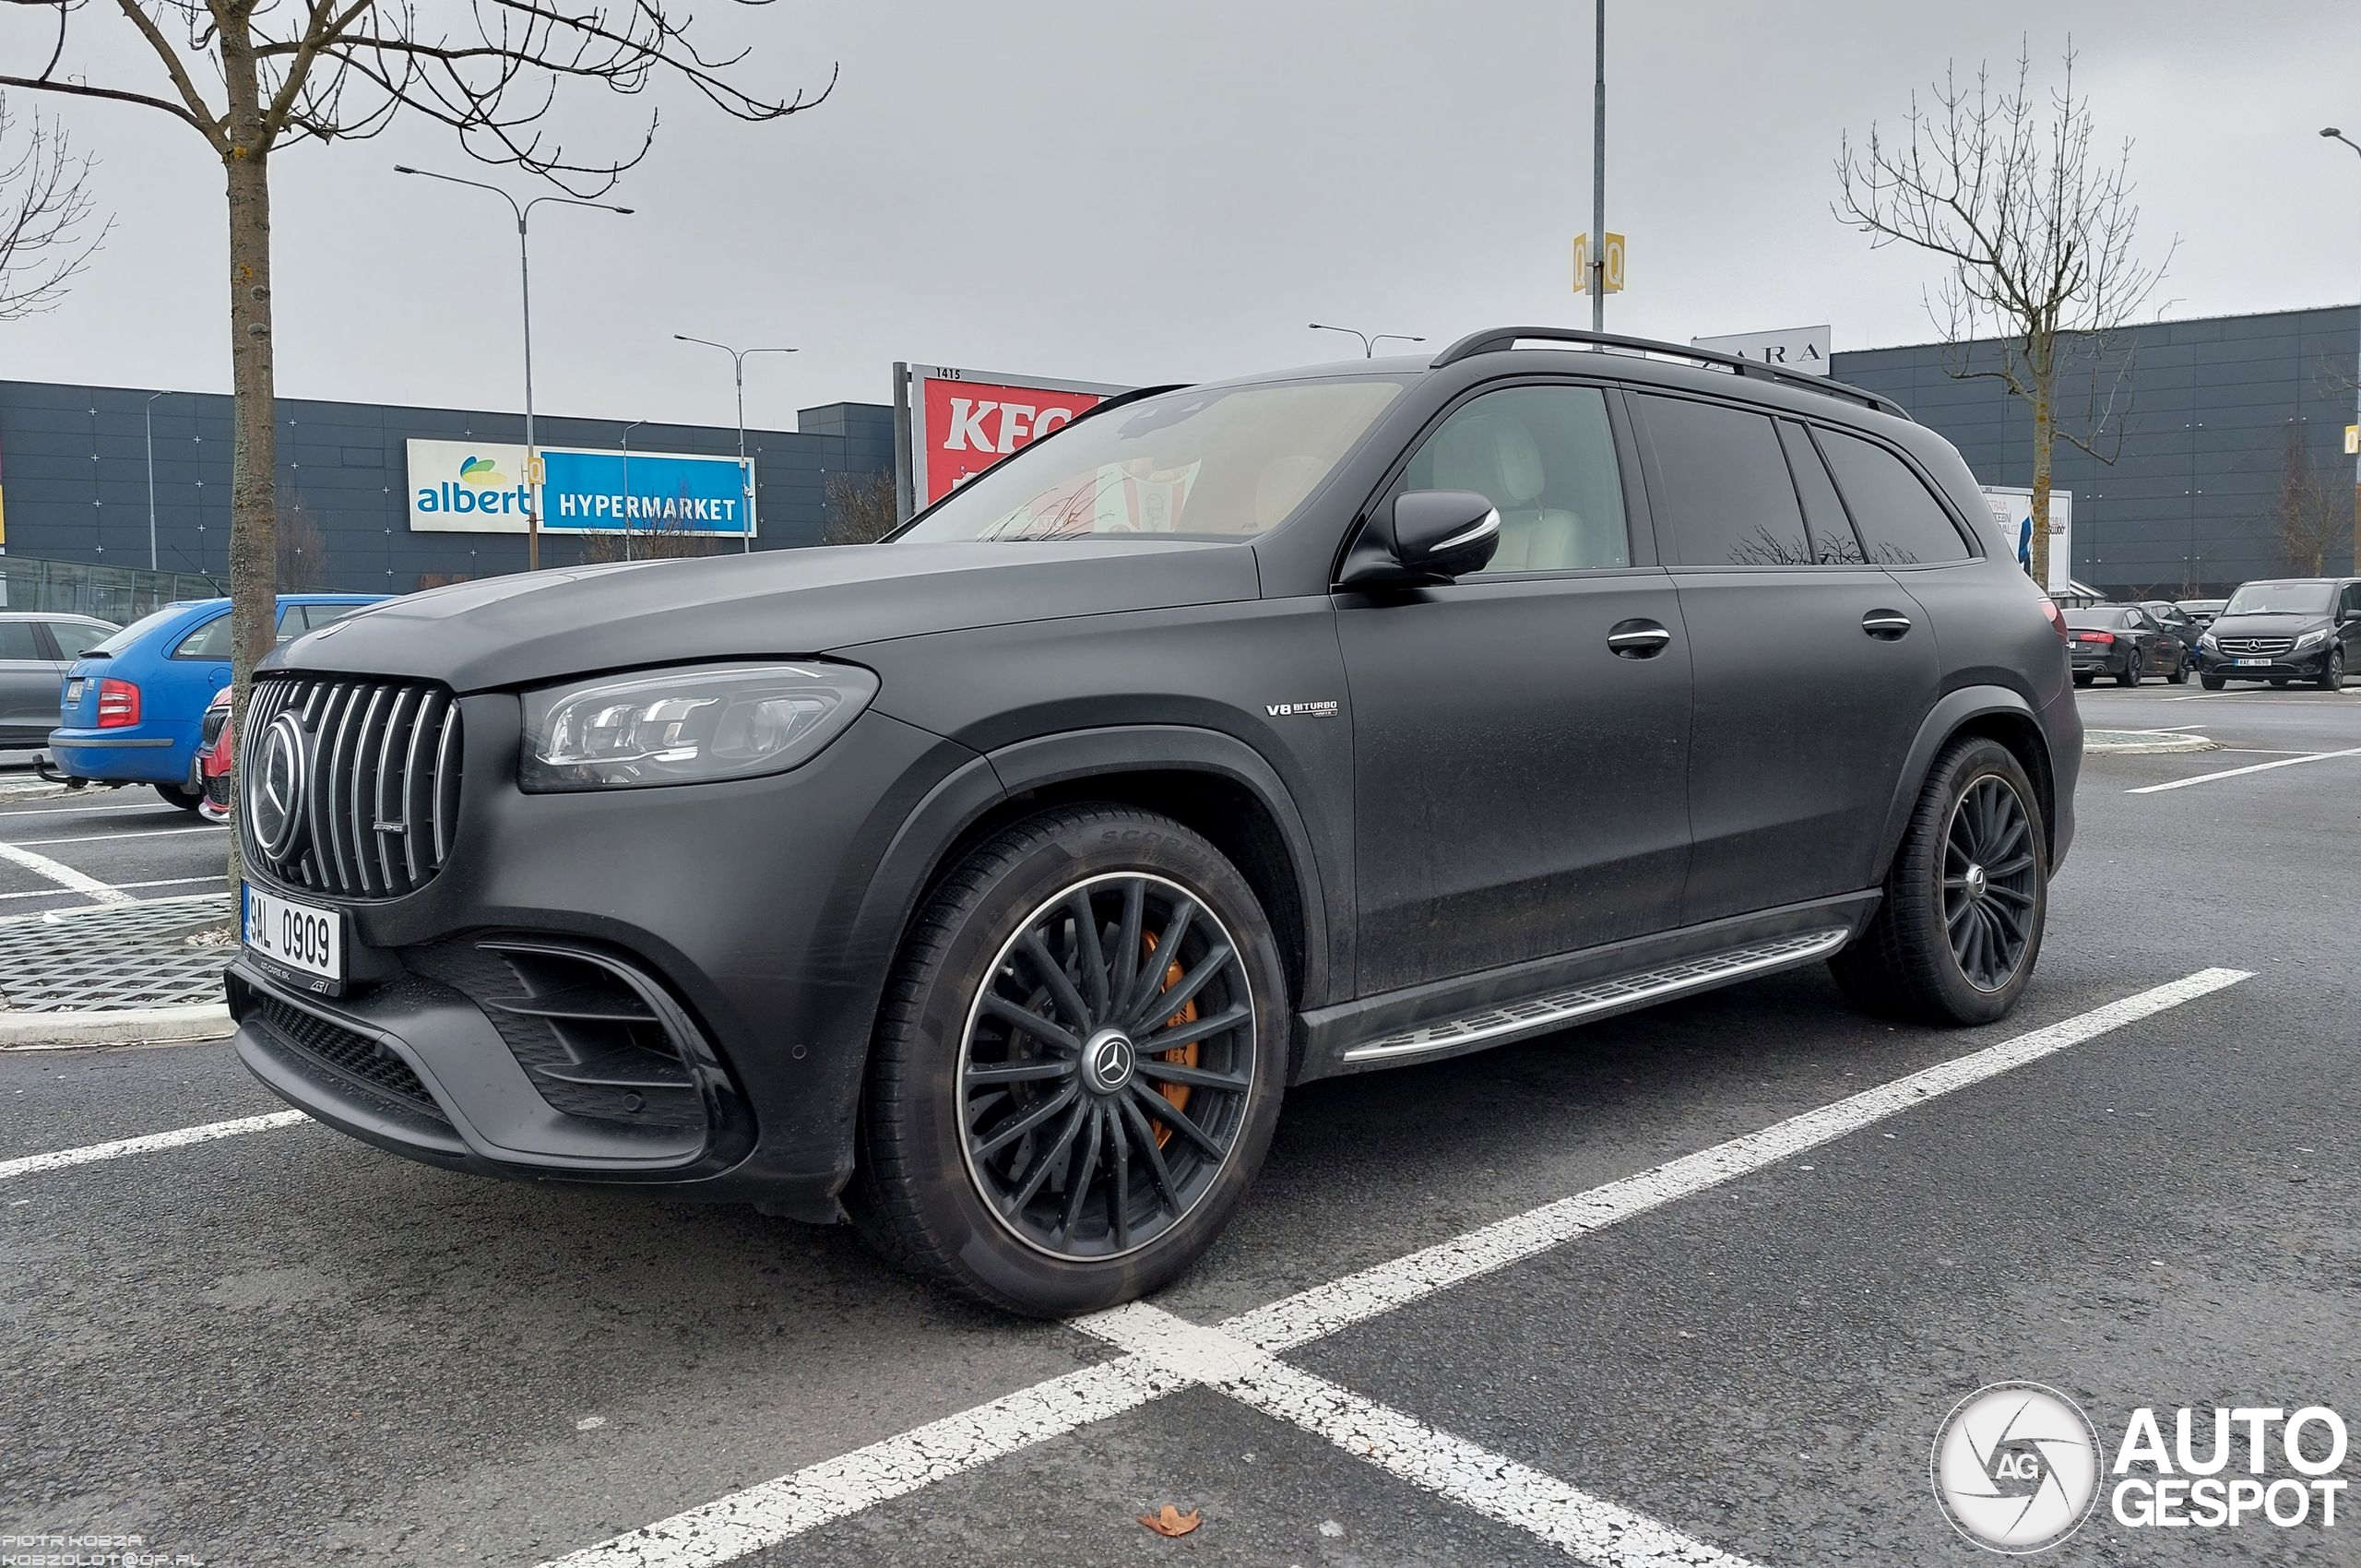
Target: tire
point(187, 800)
point(2178, 674)
point(2332, 672)
point(1903, 963)
point(931, 1196)
point(2211, 682)
point(2085, 677)
point(2279, 682)
point(2131, 671)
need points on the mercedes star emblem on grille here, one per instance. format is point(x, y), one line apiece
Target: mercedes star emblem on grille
point(275, 802)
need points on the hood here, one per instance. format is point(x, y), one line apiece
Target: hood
point(548, 626)
point(2267, 625)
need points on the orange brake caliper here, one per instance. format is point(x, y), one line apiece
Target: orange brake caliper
point(1185, 1055)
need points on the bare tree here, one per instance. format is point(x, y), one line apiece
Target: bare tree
point(2036, 228)
point(253, 76)
point(302, 551)
point(860, 507)
point(2310, 512)
point(45, 208)
point(661, 540)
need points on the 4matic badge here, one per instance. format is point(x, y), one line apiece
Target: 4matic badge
point(1323, 709)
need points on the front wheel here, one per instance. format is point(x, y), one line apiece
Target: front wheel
point(1077, 1066)
point(2178, 674)
point(2333, 672)
point(2132, 669)
point(2211, 682)
point(1956, 936)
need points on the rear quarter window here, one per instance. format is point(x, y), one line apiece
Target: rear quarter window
point(1900, 521)
point(209, 641)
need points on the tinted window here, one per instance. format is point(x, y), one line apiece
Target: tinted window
point(74, 639)
point(140, 628)
point(1729, 498)
point(2352, 599)
point(1832, 541)
point(16, 641)
point(1545, 458)
point(1900, 523)
point(209, 641)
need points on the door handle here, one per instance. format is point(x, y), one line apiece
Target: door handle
point(1886, 625)
point(1637, 640)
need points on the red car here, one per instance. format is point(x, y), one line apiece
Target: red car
point(216, 759)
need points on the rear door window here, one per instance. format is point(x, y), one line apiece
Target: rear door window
point(17, 641)
point(1900, 521)
point(209, 641)
point(74, 639)
point(1727, 494)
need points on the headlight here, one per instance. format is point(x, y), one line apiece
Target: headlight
point(2208, 643)
point(2312, 638)
point(688, 725)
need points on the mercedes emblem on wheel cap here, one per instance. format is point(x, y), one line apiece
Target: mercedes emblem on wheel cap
point(275, 798)
point(1107, 1060)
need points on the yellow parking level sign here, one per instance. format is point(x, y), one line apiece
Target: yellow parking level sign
point(1614, 281)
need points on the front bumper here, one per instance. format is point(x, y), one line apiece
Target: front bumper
point(2309, 665)
point(754, 921)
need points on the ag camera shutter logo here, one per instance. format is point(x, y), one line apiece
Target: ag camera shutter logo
point(2016, 1468)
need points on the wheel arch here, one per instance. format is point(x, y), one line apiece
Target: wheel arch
point(1995, 713)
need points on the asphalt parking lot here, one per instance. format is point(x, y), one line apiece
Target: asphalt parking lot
point(1598, 1295)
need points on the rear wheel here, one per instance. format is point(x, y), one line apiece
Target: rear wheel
point(2333, 672)
point(1077, 1066)
point(1956, 937)
point(187, 800)
point(2085, 677)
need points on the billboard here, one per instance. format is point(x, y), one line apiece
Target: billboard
point(951, 425)
point(1793, 348)
point(479, 487)
point(2012, 520)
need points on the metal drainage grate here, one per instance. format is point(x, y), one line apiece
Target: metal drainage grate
point(124, 956)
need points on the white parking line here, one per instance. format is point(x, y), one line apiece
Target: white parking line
point(65, 876)
point(120, 886)
point(154, 1142)
point(121, 837)
point(775, 1510)
point(2239, 772)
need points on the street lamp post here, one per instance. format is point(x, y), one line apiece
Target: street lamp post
point(148, 418)
point(627, 430)
point(1598, 177)
point(2332, 134)
point(745, 474)
point(1369, 341)
point(524, 212)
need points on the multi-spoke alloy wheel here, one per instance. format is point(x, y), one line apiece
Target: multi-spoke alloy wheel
point(1990, 873)
point(1078, 1062)
point(1957, 932)
point(1107, 1064)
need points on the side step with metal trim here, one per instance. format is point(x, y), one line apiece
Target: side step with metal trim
point(1558, 1008)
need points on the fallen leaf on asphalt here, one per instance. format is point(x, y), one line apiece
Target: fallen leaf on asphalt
point(1171, 1521)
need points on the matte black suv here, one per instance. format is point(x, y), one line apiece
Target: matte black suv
point(2292, 629)
point(989, 885)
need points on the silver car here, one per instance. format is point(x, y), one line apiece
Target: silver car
point(35, 648)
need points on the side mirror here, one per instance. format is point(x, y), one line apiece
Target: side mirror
point(1426, 536)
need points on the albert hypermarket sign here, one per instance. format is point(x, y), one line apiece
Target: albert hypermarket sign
point(479, 487)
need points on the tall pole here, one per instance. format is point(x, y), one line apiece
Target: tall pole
point(524, 212)
point(627, 430)
point(1598, 179)
point(745, 474)
point(2335, 134)
point(149, 413)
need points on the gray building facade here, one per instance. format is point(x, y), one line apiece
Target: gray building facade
point(76, 469)
point(2203, 415)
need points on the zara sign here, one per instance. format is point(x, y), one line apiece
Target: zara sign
point(1795, 348)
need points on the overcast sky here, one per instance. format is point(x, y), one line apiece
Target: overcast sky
point(1152, 191)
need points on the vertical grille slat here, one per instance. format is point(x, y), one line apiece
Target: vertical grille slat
point(385, 766)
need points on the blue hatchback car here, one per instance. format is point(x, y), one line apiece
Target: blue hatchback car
point(135, 705)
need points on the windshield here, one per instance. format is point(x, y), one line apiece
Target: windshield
point(2280, 598)
point(2099, 620)
point(1204, 463)
point(139, 629)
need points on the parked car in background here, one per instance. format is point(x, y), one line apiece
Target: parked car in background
point(2201, 611)
point(35, 648)
point(2178, 622)
point(216, 757)
point(2124, 641)
point(134, 705)
point(2288, 629)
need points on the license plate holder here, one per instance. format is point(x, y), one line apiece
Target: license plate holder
point(74, 689)
point(2245, 663)
point(305, 941)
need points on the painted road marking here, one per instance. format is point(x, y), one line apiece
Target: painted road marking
point(120, 838)
point(65, 876)
point(2239, 772)
point(154, 1142)
point(764, 1515)
point(121, 886)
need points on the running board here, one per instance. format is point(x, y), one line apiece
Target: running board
point(1624, 992)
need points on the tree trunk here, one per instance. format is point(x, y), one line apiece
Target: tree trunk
point(253, 463)
point(2044, 433)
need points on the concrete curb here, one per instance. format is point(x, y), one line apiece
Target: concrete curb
point(2142, 743)
point(121, 1026)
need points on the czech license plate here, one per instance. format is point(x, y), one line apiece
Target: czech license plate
point(74, 690)
point(298, 936)
point(2246, 661)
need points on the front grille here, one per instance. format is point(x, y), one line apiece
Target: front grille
point(2254, 647)
point(347, 1053)
point(381, 791)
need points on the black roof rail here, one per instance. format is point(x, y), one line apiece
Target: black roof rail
point(1493, 339)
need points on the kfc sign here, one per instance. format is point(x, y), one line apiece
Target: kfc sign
point(956, 423)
